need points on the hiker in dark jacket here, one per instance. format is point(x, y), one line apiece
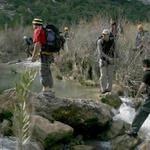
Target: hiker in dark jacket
point(29, 45)
point(106, 54)
point(144, 110)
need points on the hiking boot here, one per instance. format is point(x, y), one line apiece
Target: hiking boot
point(106, 91)
point(131, 133)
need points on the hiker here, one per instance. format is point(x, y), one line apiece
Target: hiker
point(66, 36)
point(114, 29)
point(106, 54)
point(144, 109)
point(39, 40)
point(29, 44)
point(62, 38)
point(66, 32)
point(141, 33)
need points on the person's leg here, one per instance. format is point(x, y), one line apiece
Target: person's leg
point(110, 73)
point(46, 76)
point(139, 119)
point(103, 78)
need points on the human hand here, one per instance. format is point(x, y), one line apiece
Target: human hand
point(137, 103)
point(33, 58)
point(111, 60)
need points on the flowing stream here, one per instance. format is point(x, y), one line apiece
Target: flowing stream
point(10, 73)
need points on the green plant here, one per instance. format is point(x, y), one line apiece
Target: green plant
point(21, 120)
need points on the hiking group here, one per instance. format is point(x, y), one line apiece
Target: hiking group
point(48, 40)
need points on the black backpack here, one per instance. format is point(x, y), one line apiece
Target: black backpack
point(53, 39)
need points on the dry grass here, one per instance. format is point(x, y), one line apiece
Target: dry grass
point(12, 43)
point(82, 53)
point(82, 48)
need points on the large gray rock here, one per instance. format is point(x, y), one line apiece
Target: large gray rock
point(144, 146)
point(125, 142)
point(49, 133)
point(111, 99)
point(83, 147)
point(85, 116)
point(11, 144)
point(117, 128)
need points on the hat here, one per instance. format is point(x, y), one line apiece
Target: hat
point(37, 21)
point(105, 31)
point(140, 26)
point(66, 28)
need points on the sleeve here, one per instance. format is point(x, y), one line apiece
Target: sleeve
point(37, 36)
point(98, 48)
point(145, 78)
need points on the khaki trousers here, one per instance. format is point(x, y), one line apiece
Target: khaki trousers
point(106, 76)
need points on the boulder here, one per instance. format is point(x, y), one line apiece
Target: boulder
point(144, 146)
point(87, 117)
point(49, 133)
point(125, 142)
point(6, 128)
point(7, 100)
point(11, 144)
point(83, 147)
point(118, 89)
point(117, 128)
point(111, 99)
point(87, 82)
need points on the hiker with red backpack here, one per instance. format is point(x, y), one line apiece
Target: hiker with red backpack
point(46, 42)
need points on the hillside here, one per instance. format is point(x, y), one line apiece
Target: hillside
point(14, 12)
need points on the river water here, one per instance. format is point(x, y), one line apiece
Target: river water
point(9, 75)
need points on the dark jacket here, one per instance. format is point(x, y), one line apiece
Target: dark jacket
point(106, 49)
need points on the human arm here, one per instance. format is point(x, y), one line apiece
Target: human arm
point(141, 89)
point(36, 50)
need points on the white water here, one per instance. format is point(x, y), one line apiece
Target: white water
point(127, 113)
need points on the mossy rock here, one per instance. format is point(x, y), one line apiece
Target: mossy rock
point(118, 127)
point(125, 142)
point(83, 147)
point(87, 82)
point(50, 133)
point(58, 146)
point(118, 90)
point(112, 100)
point(6, 128)
point(59, 77)
point(84, 121)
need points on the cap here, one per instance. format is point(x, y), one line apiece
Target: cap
point(37, 21)
point(105, 31)
point(65, 28)
point(140, 26)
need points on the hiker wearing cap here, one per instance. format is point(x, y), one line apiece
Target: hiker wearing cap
point(142, 42)
point(29, 45)
point(140, 36)
point(144, 109)
point(39, 40)
point(106, 54)
point(66, 36)
point(66, 32)
point(114, 29)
